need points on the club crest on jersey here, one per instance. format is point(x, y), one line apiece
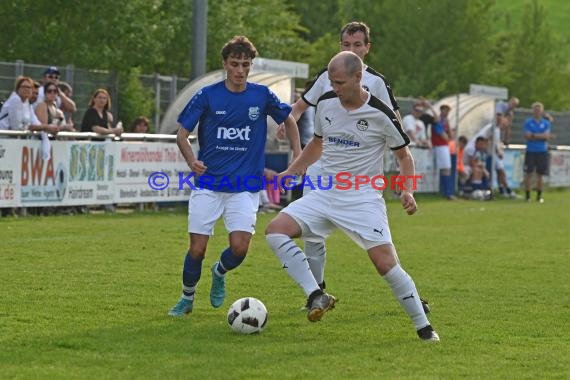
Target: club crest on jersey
point(253, 113)
point(362, 125)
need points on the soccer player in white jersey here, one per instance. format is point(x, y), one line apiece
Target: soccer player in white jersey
point(354, 37)
point(233, 130)
point(352, 130)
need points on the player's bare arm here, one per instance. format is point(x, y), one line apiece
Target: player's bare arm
point(195, 165)
point(407, 170)
point(298, 108)
point(292, 132)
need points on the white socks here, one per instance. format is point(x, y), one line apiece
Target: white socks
point(405, 291)
point(294, 261)
point(317, 255)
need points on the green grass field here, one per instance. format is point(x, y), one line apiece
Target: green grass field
point(85, 297)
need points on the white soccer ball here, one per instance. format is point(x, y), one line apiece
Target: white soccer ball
point(478, 195)
point(247, 315)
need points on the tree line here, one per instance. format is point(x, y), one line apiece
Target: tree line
point(429, 48)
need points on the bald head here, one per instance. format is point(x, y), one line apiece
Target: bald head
point(345, 74)
point(347, 61)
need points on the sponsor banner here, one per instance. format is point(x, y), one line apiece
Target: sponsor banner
point(91, 172)
point(9, 173)
point(42, 181)
point(559, 169)
point(424, 166)
point(136, 165)
point(514, 163)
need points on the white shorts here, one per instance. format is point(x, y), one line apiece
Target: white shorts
point(313, 182)
point(238, 209)
point(359, 214)
point(442, 157)
point(499, 164)
point(314, 175)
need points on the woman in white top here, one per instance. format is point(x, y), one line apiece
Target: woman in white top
point(18, 114)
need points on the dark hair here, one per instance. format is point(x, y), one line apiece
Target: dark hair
point(355, 27)
point(480, 138)
point(239, 46)
point(47, 85)
point(462, 139)
point(139, 120)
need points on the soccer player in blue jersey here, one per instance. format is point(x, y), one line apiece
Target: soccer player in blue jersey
point(232, 116)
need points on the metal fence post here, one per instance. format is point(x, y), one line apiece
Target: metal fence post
point(69, 72)
point(173, 88)
point(19, 68)
point(156, 100)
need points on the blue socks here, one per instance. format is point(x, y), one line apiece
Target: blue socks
point(446, 186)
point(193, 270)
point(228, 261)
point(190, 276)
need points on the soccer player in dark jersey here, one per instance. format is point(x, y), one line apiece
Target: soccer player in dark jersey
point(232, 117)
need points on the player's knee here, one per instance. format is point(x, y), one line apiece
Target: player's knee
point(197, 251)
point(283, 224)
point(274, 227)
point(240, 249)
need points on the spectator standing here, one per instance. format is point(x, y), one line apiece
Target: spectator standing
point(429, 114)
point(140, 125)
point(415, 127)
point(47, 111)
point(537, 133)
point(35, 92)
point(52, 74)
point(98, 117)
point(18, 114)
point(505, 115)
point(440, 137)
point(461, 172)
point(66, 89)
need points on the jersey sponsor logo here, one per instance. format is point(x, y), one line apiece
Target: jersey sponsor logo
point(234, 133)
point(220, 112)
point(253, 113)
point(362, 125)
point(347, 141)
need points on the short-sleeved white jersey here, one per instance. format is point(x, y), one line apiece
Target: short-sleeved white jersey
point(355, 141)
point(372, 81)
